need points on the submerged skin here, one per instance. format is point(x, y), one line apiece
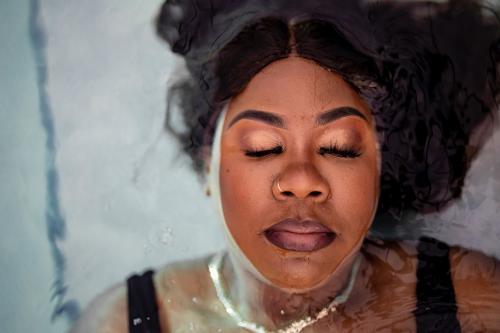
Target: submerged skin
point(382, 300)
point(340, 192)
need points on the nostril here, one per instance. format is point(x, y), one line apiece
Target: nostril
point(315, 194)
point(287, 193)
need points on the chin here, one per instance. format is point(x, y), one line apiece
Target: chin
point(299, 274)
point(295, 271)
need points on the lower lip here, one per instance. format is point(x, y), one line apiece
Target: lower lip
point(300, 242)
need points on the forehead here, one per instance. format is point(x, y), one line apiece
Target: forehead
point(296, 87)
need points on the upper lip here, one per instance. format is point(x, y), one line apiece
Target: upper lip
point(306, 226)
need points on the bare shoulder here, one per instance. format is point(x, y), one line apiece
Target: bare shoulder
point(107, 313)
point(183, 292)
point(187, 277)
point(474, 273)
point(184, 287)
point(187, 299)
point(476, 280)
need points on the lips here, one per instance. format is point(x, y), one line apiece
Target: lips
point(302, 236)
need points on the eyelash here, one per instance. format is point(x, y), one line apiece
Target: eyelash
point(261, 153)
point(332, 149)
point(343, 152)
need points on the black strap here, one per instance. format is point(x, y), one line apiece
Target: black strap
point(142, 307)
point(436, 305)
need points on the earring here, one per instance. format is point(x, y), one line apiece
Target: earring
point(279, 187)
point(207, 179)
point(207, 190)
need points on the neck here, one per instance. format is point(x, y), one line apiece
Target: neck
point(275, 308)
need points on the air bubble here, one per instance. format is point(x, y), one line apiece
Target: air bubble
point(166, 236)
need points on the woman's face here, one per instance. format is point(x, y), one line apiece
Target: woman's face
point(299, 172)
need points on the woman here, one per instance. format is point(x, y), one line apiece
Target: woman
point(311, 122)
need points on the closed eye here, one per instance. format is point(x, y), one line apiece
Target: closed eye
point(343, 152)
point(264, 152)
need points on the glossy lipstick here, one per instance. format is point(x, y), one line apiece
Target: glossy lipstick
point(302, 236)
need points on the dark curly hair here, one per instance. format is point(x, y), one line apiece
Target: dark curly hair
point(428, 71)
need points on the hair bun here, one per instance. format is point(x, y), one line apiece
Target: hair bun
point(177, 24)
point(197, 28)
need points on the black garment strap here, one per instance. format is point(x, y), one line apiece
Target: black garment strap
point(142, 307)
point(436, 306)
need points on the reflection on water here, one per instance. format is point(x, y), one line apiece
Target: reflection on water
point(425, 69)
point(400, 286)
point(397, 287)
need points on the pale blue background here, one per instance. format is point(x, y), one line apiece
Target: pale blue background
point(122, 190)
point(27, 266)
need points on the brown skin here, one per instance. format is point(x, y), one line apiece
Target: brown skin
point(382, 300)
point(476, 279)
point(383, 297)
point(339, 192)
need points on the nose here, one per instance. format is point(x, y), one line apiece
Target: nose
point(301, 181)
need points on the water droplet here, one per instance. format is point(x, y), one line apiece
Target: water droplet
point(166, 236)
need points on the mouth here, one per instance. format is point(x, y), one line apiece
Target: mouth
point(301, 236)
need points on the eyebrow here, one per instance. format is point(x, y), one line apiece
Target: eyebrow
point(263, 116)
point(337, 113)
point(276, 121)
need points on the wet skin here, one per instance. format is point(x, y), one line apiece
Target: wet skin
point(383, 299)
point(327, 171)
point(304, 158)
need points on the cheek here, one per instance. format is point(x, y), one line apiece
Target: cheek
point(243, 194)
point(354, 197)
